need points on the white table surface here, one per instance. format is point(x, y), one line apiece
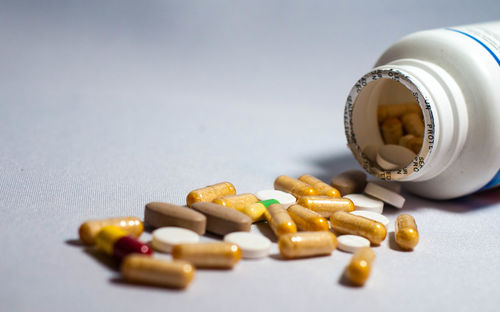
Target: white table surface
point(108, 105)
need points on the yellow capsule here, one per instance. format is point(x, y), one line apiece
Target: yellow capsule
point(307, 220)
point(279, 220)
point(209, 193)
point(293, 186)
point(392, 130)
point(256, 211)
point(413, 124)
point(150, 271)
point(347, 223)
point(106, 238)
point(237, 202)
point(359, 268)
point(307, 244)
point(325, 205)
point(89, 229)
point(411, 142)
point(322, 188)
point(396, 110)
point(406, 232)
point(219, 255)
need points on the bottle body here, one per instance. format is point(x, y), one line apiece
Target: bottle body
point(453, 75)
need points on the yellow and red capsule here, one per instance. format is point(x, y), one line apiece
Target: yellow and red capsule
point(116, 242)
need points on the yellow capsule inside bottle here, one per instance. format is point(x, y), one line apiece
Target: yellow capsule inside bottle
point(209, 193)
point(293, 186)
point(322, 188)
point(238, 202)
point(359, 268)
point(325, 205)
point(220, 255)
point(406, 232)
point(307, 220)
point(89, 229)
point(347, 223)
point(307, 244)
point(151, 271)
point(279, 220)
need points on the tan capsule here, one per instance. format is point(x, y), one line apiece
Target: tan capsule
point(279, 220)
point(223, 220)
point(322, 188)
point(406, 232)
point(158, 214)
point(293, 186)
point(350, 181)
point(209, 193)
point(359, 268)
point(150, 271)
point(218, 255)
point(392, 130)
point(307, 220)
point(325, 205)
point(411, 142)
point(396, 110)
point(238, 202)
point(89, 229)
point(307, 244)
point(347, 223)
point(413, 124)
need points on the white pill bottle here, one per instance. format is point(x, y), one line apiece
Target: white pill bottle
point(454, 75)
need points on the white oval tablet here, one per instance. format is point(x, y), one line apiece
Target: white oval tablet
point(166, 237)
point(252, 245)
point(350, 243)
point(391, 185)
point(364, 202)
point(385, 195)
point(391, 156)
point(283, 197)
point(373, 216)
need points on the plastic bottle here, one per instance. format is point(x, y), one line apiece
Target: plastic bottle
point(454, 76)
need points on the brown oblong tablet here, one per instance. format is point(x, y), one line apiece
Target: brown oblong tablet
point(159, 214)
point(223, 220)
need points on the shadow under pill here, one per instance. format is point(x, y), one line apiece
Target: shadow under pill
point(265, 230)
point(102, 258)
point(118, 280)
point(344, 281)
point(75, 242)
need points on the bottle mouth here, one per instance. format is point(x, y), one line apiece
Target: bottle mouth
point(389, 124)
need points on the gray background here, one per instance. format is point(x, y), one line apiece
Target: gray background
point(107, 105)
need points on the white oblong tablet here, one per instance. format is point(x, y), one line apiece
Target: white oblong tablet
point(373, 216)
point(370, 152)
point(364, 202)
point(385, 195)
point(253, 246)
point(391, 156)
point(392, 185)
point(283, 197)
point(166, 237)
point(350, 243)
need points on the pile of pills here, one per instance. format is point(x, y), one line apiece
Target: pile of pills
point(402, 130)
point(308, 216)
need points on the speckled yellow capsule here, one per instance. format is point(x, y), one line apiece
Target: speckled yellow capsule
point(347, 223)
point(218, 255)
point(306, 219)
point(256, 210)
point(150, 271)
point(406, 232)
point(293, 186)
point(322, 188)
point(359, 268)
point(325, 205)
point(89, 229)
point(307, 244)
point(238, 202)
point(209, 193)
point(279, 220)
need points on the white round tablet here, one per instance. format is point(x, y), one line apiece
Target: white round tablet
point(364, 202)
point(252, 245)
point(372, 215)
point(283, 197)
point(166, 237)
point(391, 156)
point(350, 243)
point(385, 195)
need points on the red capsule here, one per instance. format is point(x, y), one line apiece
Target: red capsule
point(128, 245)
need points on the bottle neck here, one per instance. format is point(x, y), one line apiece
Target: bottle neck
point(407, 81)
